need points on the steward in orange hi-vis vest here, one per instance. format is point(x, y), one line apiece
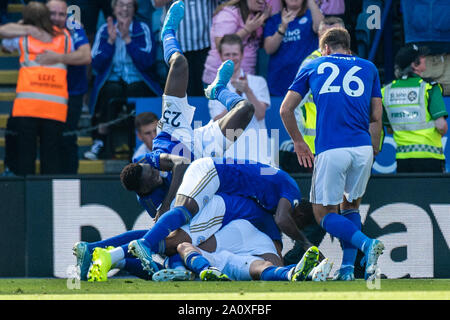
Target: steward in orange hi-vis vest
point(42, 89)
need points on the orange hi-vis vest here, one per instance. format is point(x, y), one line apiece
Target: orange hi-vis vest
point(42, 89)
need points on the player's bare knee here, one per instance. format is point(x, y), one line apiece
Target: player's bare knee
point(189, 203)
point(245, 109)
point(257, 268)
point(184, 248)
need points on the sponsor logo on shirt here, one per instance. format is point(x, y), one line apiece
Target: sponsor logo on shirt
point(404, 96)
point(303, 20)
point(292, 35)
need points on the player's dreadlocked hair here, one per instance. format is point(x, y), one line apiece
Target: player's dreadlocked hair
point(131, 177)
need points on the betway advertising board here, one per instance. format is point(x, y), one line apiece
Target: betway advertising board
point(42, 217)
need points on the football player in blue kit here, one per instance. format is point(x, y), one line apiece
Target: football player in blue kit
point(346, 91)
point(219, 212)
point(273, 189)
point(175, 135)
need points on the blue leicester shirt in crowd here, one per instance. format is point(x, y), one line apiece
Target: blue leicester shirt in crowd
point(77, 75)
point(342, 87)
point(261, 182)
point(298, 42)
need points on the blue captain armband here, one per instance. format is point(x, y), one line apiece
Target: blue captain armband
point(152, 158)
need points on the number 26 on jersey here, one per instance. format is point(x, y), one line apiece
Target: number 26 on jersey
point(349, 78)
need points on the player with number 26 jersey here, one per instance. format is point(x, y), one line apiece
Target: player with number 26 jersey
point(344, 117)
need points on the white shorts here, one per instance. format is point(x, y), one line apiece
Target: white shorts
point(238, 245)
point(206, 222)
point(242, 238)
point(200, 182)
point(236, 267)
point(176, 118)
point(202, 141)
point(209, 141)
point(341, 172)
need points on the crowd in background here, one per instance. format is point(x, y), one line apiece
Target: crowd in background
point(114, 52)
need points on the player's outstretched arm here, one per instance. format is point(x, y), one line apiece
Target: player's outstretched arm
point(375, 126)
point(290, 102)
point(177, 165)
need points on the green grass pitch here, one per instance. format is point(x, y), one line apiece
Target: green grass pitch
point(137, 289)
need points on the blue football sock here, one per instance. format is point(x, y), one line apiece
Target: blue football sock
point(134, 267)
point(276, 273)
point(343, 229)
point(125, 250)
point(228, 98)
point(175, 262)
point(169, 221)
point(119, 240)
point(170, 45)
point(349, 251)
point(196, 262)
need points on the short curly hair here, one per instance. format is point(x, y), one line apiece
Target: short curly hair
point(130, 177)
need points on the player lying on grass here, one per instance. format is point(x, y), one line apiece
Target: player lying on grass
point(245, 253)
point(271, 188)
point(222, 209)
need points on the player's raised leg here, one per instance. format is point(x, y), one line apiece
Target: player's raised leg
point(241, 110)
point(178, 75)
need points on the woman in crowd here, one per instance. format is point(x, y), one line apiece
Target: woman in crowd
point(244, 18)
point(289, 37)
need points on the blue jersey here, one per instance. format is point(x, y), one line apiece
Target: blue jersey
point(342, 87)
point(298, 42)
point(165, 143)
point(162, 143)
point(152, 201)
point(261, 182)
point(237, 207)
point(77, 82)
